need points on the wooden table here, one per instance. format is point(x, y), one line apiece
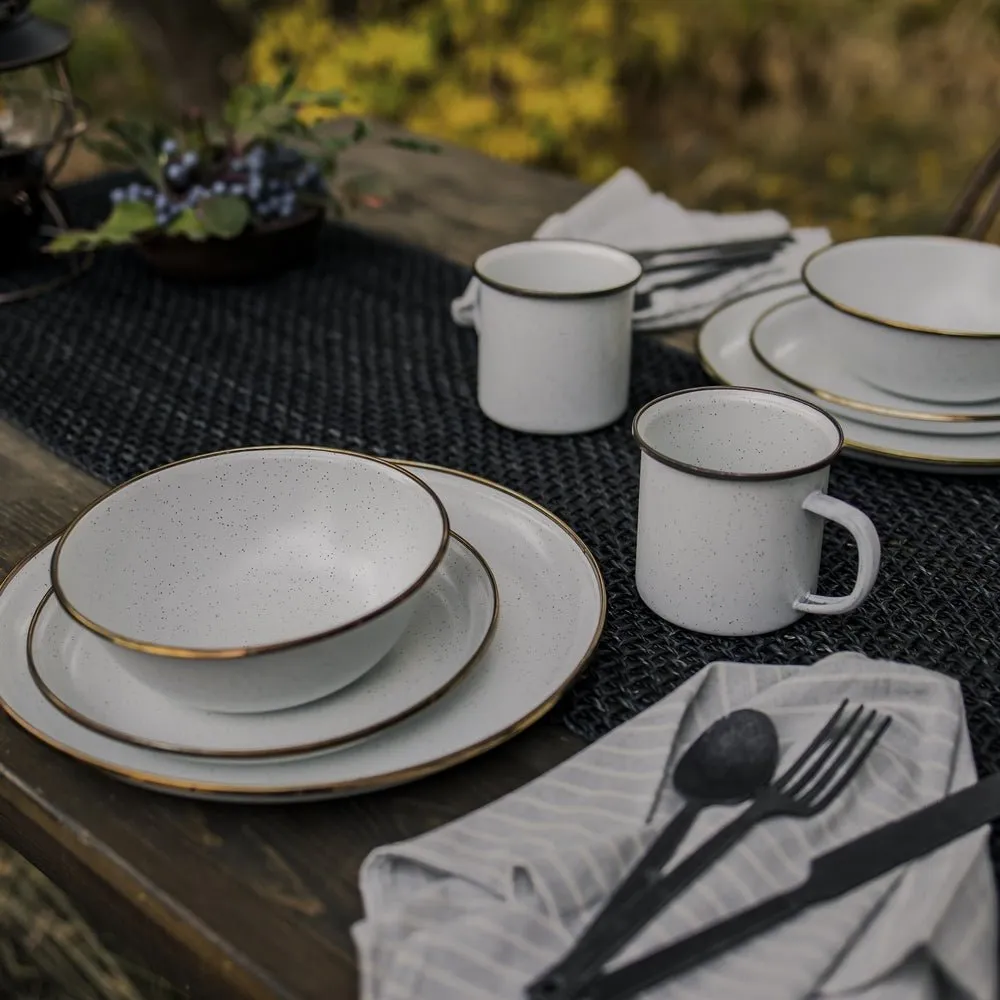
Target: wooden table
point(253, 902)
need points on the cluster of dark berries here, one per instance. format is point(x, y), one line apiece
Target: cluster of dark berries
point(271, 181)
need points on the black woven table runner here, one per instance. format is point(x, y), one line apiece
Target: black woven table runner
point(120, 372)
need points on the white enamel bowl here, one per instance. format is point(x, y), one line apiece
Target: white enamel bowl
point(254, 579)
point(923, 313)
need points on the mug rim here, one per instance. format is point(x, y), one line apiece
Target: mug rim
point(698, 470)
point(526, 293)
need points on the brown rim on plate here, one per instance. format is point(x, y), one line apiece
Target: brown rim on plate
point(238, 652)
point(303, 748)
point(882, 321)
point(362, 784)
point(854, 404)
point(906, 456)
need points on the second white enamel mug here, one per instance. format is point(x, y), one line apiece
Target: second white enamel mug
point(732, 503)
point(554, 319)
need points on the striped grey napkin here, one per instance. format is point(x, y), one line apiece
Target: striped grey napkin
point(476, 909)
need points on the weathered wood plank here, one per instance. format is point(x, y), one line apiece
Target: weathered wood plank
point(459, 202)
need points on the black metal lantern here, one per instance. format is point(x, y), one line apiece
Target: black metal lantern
point(39, 121)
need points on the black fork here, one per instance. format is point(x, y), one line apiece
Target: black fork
point(804, 789)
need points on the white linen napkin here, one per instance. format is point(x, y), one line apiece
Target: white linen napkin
point(623, 212)
point(476, 909)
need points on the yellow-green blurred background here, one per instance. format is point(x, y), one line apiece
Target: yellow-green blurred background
point(865, 114)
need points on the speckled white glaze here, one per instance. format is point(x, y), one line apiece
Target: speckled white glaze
point(732, 497)
point(724, 350)
point(253, 579)
point(449, 630)
point(554, 319)
point(798, 342)
point(552, 611)
point(934, 303)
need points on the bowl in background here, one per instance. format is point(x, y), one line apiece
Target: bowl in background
point(922, 312)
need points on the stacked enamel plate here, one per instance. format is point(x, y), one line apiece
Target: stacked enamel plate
point(294, 622)
point(898, 337)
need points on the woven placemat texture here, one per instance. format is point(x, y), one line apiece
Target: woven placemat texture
point(121, 372)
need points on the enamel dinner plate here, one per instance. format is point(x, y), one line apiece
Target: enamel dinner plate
point(725, 354)
point(552, 602)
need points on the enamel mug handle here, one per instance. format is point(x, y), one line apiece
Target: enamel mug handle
point(477, 296)
point(869, 554)
point(466, 307)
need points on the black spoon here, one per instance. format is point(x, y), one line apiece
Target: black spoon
point(727, 764)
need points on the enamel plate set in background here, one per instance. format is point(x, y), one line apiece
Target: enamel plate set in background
point(293, 622)
point(897, 337)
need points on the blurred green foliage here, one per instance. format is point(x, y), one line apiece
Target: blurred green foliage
point(105, 65)
point(865, 114)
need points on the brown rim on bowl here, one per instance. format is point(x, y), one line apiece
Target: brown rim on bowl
point(698, 470)
point(853, 404)
point(238, 652)
point(882, 321)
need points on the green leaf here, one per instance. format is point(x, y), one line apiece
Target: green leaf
point(188, 224)
point(238, 107)
point(416, 145)
point(287, 81)
point(330, 99)
point(361, 131)
point(72, 241)
point(295, 128)
point(327, 164)
point(225, 216)
point(128, 218)
point(267, 125)
point(112, 153)
point(141, 142)
point(127, 221)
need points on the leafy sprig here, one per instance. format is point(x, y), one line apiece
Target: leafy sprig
point(256, 116)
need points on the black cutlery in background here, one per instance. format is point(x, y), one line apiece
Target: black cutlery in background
point(763, 244)
point(643, 298)
point(729, 261)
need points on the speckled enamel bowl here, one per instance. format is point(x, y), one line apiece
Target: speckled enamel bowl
point(255, 579)
point(917, 316)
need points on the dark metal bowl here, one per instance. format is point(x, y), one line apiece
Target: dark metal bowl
point(259, 252)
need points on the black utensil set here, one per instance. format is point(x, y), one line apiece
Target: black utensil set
point(735, 761)
point(697, 265)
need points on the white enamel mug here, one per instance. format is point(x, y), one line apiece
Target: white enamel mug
point(554, 319)
point(732, 503)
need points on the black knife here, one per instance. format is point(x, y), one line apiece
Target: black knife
point(830, 875)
